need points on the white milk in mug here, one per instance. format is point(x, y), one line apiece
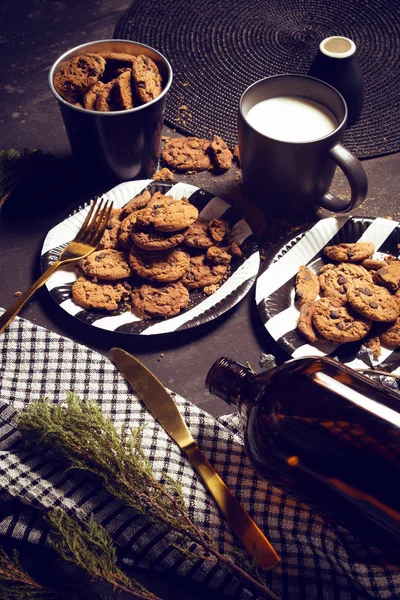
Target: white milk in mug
point(292, 119)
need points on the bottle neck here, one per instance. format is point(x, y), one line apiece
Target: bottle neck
point(230, 380)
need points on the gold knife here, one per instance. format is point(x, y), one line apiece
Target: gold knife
point(163, 408)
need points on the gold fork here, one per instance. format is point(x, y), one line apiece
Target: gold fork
point(85, 242)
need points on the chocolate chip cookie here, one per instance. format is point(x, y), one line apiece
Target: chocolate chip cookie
point(334, 279)
point(151, 239)
point(109, 265)
point(100, 295)
point(187, 154)
point(164, 301)
point(125, 230)
point(201, 273)
point(146, 78)
point(218, 229)
point(90, 97)
point(350, 252)
point(78, 75)
point(118, 59)
point(164, 266)
point(373, 264)
point(105, 97)
point(218, 255)
point(374, 344)
point(307, 285)
point(198, 235)
point(373, 302)
point(339, 323)
point(136, 203)
point(220, 154)
point(305, 323)
point(235, 249)
point(111, 232)
point(163, 175)
point(168, 215)
point(391, 336)
point(123, 91)
point(389, 276)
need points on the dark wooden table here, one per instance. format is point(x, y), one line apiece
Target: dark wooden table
point(33, 34)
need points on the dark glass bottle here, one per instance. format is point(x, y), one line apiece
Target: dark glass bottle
point(326, 434)
point(337, 63)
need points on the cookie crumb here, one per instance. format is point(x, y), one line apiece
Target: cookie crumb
point(236, 155)
point(235, 249)
point(17, 294)
point(163, 175)
point(183, 107)
point(210, 289)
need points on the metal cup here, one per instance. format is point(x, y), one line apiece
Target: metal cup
point(290, 178)
point(119, 145)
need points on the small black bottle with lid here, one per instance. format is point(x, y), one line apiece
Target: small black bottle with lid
point(336, 62)
point(325, 434)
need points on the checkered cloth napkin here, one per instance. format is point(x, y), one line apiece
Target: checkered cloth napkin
point(36, 363)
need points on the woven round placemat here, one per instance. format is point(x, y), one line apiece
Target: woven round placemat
point(217, 48)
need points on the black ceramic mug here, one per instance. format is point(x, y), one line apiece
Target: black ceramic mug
point(120, 145)
point(292, 178)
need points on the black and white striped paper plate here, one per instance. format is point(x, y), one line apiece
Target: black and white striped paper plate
point(275, 285)
point(201, 309)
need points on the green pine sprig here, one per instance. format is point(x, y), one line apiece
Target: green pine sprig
point(17, 584)
point(90, 547)
point(81, 435)
point(15, 167)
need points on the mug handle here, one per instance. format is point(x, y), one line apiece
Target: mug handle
point(356, 176)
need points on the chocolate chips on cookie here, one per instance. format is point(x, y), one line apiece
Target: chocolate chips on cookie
point(194, 154)
point(187, 154)
point(307, 285)
point(350, 252)
point(162, 250)
point(108, 82)
point(357, 299)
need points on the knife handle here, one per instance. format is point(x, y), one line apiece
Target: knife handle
point(252, 538)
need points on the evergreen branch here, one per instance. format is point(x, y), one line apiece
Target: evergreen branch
point(17, 584)
point(89, 546)
point(80, 434)
point(15, 167)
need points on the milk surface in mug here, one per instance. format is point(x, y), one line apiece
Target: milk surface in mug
point(292, 119)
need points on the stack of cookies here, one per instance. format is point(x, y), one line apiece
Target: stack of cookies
point(361, 298)
point(108, 82)
point(154, 251)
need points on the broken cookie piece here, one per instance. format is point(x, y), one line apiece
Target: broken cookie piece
point(187, 154)
point(163, 175)
point(220, 154)
point(146, 78)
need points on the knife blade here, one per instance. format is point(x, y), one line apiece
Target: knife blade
point(161, 405)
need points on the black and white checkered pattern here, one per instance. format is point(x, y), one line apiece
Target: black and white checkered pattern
point(35, 363)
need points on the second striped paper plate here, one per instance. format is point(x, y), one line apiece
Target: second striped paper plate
point(275, 287)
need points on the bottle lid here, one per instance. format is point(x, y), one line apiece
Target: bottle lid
point(337, 47)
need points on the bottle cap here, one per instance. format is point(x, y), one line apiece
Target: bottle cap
point(337, 47)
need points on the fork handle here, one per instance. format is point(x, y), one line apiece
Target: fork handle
point(20, 302)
